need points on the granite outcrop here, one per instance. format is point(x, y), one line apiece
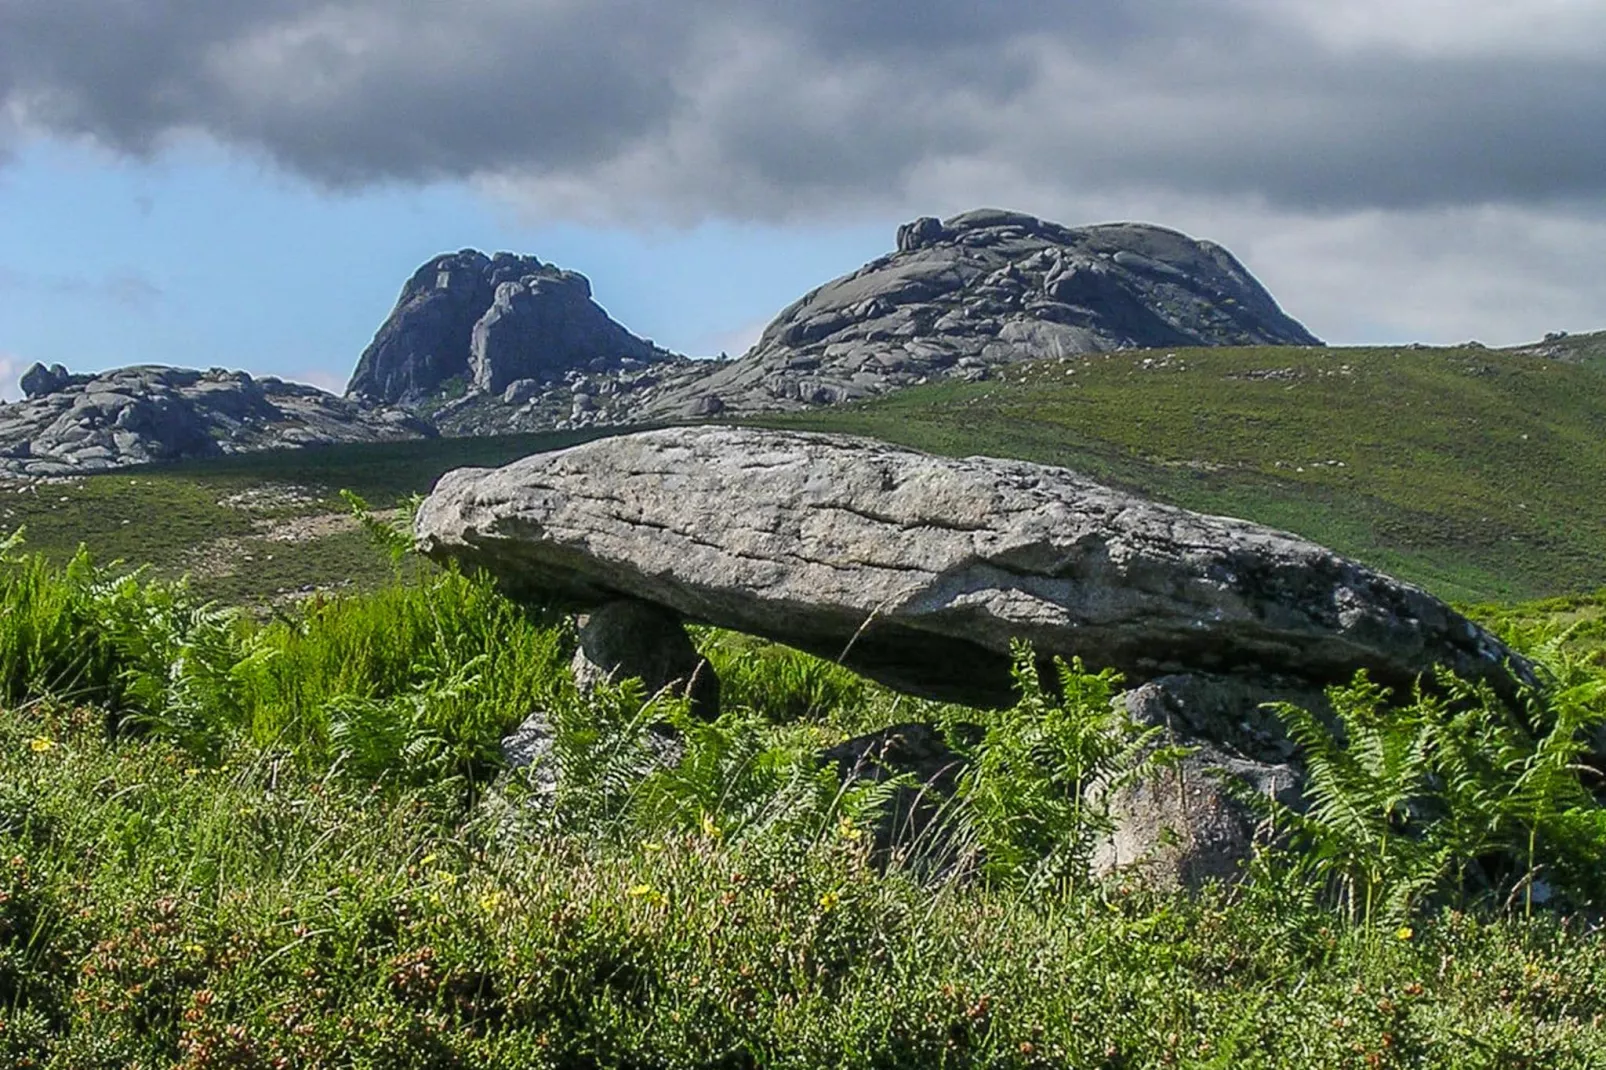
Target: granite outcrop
point(72, 424)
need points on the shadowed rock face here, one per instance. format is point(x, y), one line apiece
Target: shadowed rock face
point(919, 571)
point(488, 321)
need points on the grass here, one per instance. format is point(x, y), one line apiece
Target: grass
point(234, 842)
point(213, 519)
point(256, 916)
point(1588, 348)
point(1473, 472)
point(286, 839)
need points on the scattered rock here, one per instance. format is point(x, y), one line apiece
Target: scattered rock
point(521, 390)
point(528, 752)
point(1183, 826)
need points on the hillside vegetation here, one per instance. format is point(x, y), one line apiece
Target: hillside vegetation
point(1588, 348)
point(253, 527)
point(290, 843)
point(1471, 471)
point(288, 839)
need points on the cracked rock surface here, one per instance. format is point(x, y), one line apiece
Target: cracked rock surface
point(918, 571)
point(991, 287)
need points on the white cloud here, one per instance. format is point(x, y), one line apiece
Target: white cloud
point(1534, 28)
point(322, 378)
point(1424, 166)
point(11, 369)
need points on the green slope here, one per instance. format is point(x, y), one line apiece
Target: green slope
point(1588, 349)
point(1477, 473)
point(225, 522)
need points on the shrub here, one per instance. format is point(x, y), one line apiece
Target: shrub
point(1449, 794)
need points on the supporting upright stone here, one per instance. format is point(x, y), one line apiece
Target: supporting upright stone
point(1187, 824)
point(626, 638)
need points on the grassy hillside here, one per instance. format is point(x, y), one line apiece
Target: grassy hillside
point(1587, 349)
point(1474, 472)
point(254, 526)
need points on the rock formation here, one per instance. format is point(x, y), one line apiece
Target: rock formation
point(990, 287)
point(956, 299)
point(919, 571)
point(486, 322)
point(1183, 825)
point(71, 424)
point(624, 639)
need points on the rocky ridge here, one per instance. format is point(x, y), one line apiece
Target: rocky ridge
point(71, 424)
point(957, 299)
point(991, 287)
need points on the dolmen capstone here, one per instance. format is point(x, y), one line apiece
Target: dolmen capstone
point(919, 571)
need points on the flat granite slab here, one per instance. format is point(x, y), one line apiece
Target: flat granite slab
point(918, 571)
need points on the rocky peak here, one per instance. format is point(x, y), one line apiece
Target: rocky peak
point(488, 321)
point(990, 287)
point(38, 380)
point(957, 298)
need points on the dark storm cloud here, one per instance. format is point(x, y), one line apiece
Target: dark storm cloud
point(775, 109)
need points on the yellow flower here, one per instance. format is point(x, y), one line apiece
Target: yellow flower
point(710, 829)
point(650, 894)
point(40, 745)
point(1405, 932)
point(489, 901)
point(828, 901)
point(445, 876)
point(847, 830)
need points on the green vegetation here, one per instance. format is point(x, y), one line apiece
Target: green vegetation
point(1473, 472)
point(1588, 349)
point(236, 842)
point(255, 526)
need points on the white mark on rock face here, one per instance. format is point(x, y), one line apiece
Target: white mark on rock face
point(443, 279)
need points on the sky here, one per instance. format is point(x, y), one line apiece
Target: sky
point(247, 183)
